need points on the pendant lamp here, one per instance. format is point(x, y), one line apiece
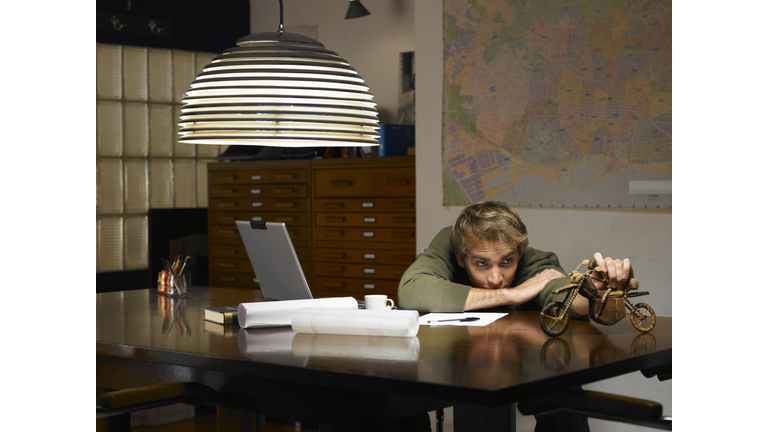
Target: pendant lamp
point(281, 90)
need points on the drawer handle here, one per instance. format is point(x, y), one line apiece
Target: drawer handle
point(369, 219)
point(341, 183)
point(257, 218)
point(369, 271)
point(369, 286)
point(284, 176)
point(402, 204)
point(368, 204)
point(255, 177)
point(402, 234)
point(335, 255)
point(227, 204)
point(369, 256)
point(403, 219)
point(335, 218)
point(226, 219)
point(285, 204)
point(227, 251)
point(257, 204)
point(228, 265)
point(368, 234)
point(334, 233)
point(255, 191)
point(334, 268)
point(223, 191)
point(333, 284)
point(284, 191)
point(285, 218)
point(230, 177)
point(398, 182)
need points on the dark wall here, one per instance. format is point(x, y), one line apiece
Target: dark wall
point(193, 25)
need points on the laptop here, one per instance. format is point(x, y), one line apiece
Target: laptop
point(274, 260)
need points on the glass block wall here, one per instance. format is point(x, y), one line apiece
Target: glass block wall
point(139, 161)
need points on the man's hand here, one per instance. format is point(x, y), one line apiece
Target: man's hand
point(618, 271)
point(480, 298)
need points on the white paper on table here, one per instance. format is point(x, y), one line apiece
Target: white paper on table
point(485, 318)
point(278, 313)
point(400, 323)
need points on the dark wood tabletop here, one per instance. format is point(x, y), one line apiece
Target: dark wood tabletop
point(143, 337)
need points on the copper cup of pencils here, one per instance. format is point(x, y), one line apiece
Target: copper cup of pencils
point(173, 279)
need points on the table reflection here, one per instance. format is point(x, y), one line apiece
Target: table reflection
point(367, 347)
point(174, 313)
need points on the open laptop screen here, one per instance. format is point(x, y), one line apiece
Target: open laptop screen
point(274, 260)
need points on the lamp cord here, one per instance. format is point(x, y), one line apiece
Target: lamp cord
point(281, 30)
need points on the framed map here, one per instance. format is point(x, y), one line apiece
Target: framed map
point(558, 103)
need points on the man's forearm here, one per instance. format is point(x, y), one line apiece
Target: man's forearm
point(480, 298)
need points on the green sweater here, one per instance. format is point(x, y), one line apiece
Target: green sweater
point(436, 283)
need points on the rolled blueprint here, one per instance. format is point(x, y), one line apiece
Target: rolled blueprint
point(278, 313)
point(401, 323)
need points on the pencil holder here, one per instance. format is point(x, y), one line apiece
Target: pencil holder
point(177, 285)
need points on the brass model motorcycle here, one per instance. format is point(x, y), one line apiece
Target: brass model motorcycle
point(606, 306)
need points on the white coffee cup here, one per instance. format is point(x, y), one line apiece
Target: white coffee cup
point(379, 302)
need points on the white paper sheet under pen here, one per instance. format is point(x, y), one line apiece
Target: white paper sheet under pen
point(278, 313)
point(400, 323)
point(485, 318)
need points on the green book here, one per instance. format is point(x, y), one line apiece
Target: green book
point(221, 314)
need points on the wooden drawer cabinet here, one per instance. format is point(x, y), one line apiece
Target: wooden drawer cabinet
point(364, 225)
point(352, 221)
point(269, 191)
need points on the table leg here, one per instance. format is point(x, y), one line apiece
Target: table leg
point(230, 420)
point(468, 418)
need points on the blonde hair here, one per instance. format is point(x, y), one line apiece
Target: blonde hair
point(493, 221)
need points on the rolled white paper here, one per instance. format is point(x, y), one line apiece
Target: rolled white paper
point(278, 313)
point(401, 323)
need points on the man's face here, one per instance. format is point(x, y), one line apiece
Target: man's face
point(490, 266)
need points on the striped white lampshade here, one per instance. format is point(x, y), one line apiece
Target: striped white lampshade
point(281, 90)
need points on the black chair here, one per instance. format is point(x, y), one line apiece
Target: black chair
point(117, 406)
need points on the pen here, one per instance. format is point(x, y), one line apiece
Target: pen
point(468, 319)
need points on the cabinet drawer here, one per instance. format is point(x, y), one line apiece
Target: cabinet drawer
point(257, 176)
point(384, 220)
point(372, 255)
point(228, 234)
point(235, 252)
point(265, 191)
point(233, 279)
point(370, 271)
point(370, 236)
point(258, 204)
point(365, 204)
point(358, 288)
point(289, 218)
point(369, 182)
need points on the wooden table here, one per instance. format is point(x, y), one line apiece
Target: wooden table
point(143, 337)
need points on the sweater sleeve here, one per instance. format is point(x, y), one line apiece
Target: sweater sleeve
point(429, 284)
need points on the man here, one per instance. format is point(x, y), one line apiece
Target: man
point(484, 262)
